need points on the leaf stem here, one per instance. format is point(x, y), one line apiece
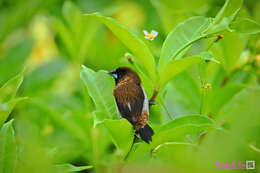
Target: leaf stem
point(202, 95)
point(152, 99)
point(166, 110)
point(131, 148)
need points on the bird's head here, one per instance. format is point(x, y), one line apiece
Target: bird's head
point(125, 74)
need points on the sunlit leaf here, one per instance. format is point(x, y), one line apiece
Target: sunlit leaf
point(7, 107)
point(228, 50)
point(10, 88)
point(12, 63)
point(175, 67)
point(7, 96)
point(177, 10)
point(225, 16)
point(134, 44)
point(229, 8)
point(100, 86)
point(8, 149)
point(181, 37)
point(221, 96)
point(122, 134)
point(245, 26)
point(179, 128)
point(183, 95)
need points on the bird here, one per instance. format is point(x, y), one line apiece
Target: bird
point(131, 101)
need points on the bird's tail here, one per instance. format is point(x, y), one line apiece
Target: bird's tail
point(146, 133)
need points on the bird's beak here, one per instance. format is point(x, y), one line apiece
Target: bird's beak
point(111, 72)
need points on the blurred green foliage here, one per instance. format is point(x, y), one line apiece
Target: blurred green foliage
point(57, 112)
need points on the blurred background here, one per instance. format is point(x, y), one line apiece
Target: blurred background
point(50, 39)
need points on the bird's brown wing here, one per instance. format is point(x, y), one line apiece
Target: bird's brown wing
point(129, 99)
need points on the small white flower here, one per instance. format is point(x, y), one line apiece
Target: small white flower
point(150, 36)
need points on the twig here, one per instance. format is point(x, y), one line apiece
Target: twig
point(131, 148)
point(152, 99)
point(165, 108)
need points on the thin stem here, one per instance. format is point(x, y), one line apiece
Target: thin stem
point(211, 44)
point(202, 95)
point(202, 101)
point(219, 37)
point(131, 148)
point(152, 99)
point(166, 110)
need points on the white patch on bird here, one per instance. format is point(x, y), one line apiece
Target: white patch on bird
point(146, 102)
point(129, 106)
point(115, 75)
point(119, 114)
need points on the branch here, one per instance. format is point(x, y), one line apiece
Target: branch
point(134, 140)
point(152, 99)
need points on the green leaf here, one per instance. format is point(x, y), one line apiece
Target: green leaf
point(183, 95)
point(12, 63)
point(197, 120)
point(7, 96)
point(228, 50)
point(122, 134)
point(177, 10)
point(64, 168)
point(8, 149)
point(75, 32)
point(68, 123)
point(223, 25)
point(181, 37)
point(100, 87)
point(7, 107)
point(225, 16)
point(42, 78)
point(10, 88)
point(175, 67)
point(243, 111)
point(245, 26)
point(222, 96)
point(179, 128)
point(134, 44)
point(230, 7)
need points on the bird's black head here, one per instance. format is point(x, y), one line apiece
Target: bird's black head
point(125, 73)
